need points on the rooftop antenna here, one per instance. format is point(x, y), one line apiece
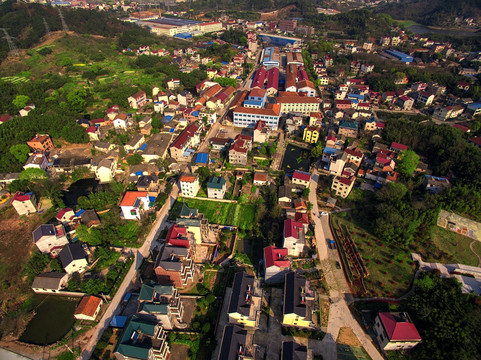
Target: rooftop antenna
point(11, 44)
point(64, 24)
point(47, 28)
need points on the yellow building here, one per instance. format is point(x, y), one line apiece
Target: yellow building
point(299, 301)
point(311, 135)
point(292, 102)
point(342, 185)
point(245, 302)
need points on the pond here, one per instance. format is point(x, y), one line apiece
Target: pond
point(296, 158)
point(52, 321)
point(82, 187)
point(421, 29)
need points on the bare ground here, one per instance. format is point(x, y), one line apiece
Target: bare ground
point(347, 337)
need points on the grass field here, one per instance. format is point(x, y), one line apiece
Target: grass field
point(240, 215)
point(406, 23)
point(390, 267)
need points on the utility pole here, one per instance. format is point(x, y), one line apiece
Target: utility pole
point(64, 24)
point(13, 48)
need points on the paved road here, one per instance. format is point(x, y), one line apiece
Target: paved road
point(131, 276)
point(340, 294)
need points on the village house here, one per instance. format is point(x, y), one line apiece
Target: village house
point(49, 283)
point(184, 142)
point(343, 185)
point(189, 185)
point(311, 135)
point(93, 133)
point(89, 308)
point(65, 215)
point(134, 204)
point(246, 301)
point(216, 187)
point(294, 237)
point(260, 179)
point(174, 266)
point(41, 143)
point(89, 218)
point(261, 132)
point(50, 238)
point(299, 301)
point(73, 258)
point(276, 264)
point(348, 128)
point(435, 184)
point(120, 122)
point(105, 171)
point(24, 203)
point(425, 98)
point(136, 141)
point(239, 150)
point(157, 147)
point(396, 331)
point(301, 178)
point(150, 184)
point(236, 343)
point(137, 100)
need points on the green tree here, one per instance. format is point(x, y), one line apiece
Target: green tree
point(21, 101)
point(92, 286)
point(20, 151)
point(90, 236)
point(407, 162)
point(204, 173)
point(317, 150)
point(392, 192)
point(33, 174)
point(36, 264)
point(135, 159)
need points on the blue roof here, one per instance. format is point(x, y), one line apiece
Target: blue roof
point(212, 161)
point(329, 150)
point(195, 113)
point(138, 173)
point(166, 119)
point(253, 102)
point(202, 158)
point(474, 106)
point(80, 212)
point(183, 35)
point(142, 148)
point(356, 96)
point(171, 130)
point(399, 55)
point(224, 63)
point(118, 321)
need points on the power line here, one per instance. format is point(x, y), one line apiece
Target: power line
point(64, 24)
point(47, 28)
point(11, 44)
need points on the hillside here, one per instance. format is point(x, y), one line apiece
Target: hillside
point(433, 12)
point(25, 24)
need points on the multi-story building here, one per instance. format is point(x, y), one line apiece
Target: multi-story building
point(425, 98)
point(276, 264)
point(134, 204)
point(137, 100)
point(261, 132)
point(299, 301)
point(50, 238)
point(300, 104)
point(348, 128)
point(161, 303)
point(294, 237)
point(301, 178)
point(248, 117)
point(186, 140)
point(142, 339)
point(41, 142)
point(189, 185)
point(256, 99)
point(311, 134)
point(216, 187)
point(396, 331)
point(237, 343)
point(174, 266)
point(246, 301)
point(105, 171)
point(343, 185)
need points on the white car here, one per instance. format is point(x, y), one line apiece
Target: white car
point(324, 213)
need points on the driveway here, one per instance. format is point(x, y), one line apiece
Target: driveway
point(272, 338)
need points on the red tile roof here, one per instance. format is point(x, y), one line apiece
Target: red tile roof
point(5, 117)
point(346, 181)
point(399, 329)
point(303, 218)
point(184, 135)
point(62, 212)
point(301, 175)
point(177, 236)
point(398, 146)
point(188, 178)
point(139, 94)
point(257, 92)
point(259, 78)
point(273, 111)
point(19, 196)
point(239, 146)
point(88, 305)
point(292, 228)
point(130, 197)
point(276, 257)
point(273, 78)
point(91, 129)
point(260, 177)
point(354, 152)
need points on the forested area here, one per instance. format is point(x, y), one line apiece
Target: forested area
point(447, 320)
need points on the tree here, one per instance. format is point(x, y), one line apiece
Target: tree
point(92, 286)
point(90, 236)
point(204, 173)
point(407, 162)
point(33, 174)
point(135, 159)
point(392, 192)
point(20, 101)
point(20, 151)
point(317, 150)
point(36, 264)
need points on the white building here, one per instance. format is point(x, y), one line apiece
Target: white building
point(189, 185)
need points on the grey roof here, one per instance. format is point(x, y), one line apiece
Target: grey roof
point(216, 182)
point(43, 230)
point(285, 191)
point(134, 140)
point(9, 176)
point(170, 257)
point(48, 280)
point(71, 252)
point(293, 293)
point(348, 124)
point(107, 163)
point(102, 144)
point(238, 302)
point(89, 215)
point(146, 180)
point(293, 351)
point(188, 222)
point(158, 144)
point(187, 212)
point(233, 339)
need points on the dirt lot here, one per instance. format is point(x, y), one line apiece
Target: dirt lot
point(179, 352)
point(72, 150)
point(347, 337)
point(16, 245)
